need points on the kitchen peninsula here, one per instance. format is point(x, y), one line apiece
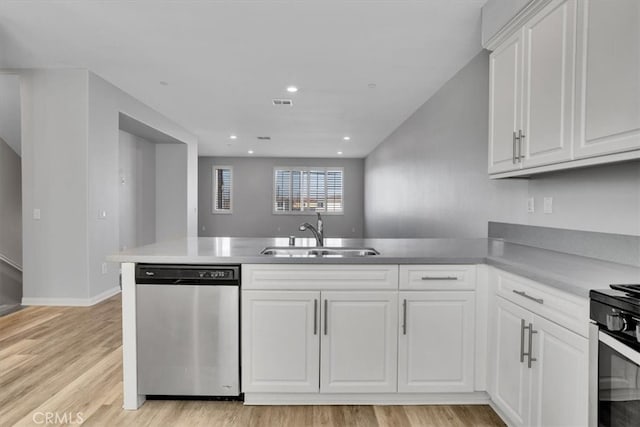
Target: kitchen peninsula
point(414, 293)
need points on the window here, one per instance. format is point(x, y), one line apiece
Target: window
point(222, 189)
point(308, 189)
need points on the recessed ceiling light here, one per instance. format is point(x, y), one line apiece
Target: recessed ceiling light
point(346, 138)
point(339, 153)
point(233, 137)
point(163, 83)
point(292, 89)
point(250, 151)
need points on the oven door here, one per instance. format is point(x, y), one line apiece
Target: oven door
point(618, 383)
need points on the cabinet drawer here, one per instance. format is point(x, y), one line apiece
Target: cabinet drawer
point(438, 277)
point(319, 277)
point(567, 310)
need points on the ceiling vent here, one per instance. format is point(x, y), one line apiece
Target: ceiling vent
point(264, 138)
point(287, 102)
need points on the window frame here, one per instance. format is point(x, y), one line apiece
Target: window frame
point(214, 191)
point(307, 169)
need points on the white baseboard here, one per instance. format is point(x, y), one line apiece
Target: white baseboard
point(500, 413)
point(474, 398)
point(72, 302)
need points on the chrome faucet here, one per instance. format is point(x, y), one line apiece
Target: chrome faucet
point(318, 231)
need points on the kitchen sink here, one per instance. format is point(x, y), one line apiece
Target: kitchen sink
point(315, 251)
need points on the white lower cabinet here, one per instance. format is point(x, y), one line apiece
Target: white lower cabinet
point(560, 376)
point(512, 378)
point(540, 370)
point(436, 341)
point(359, 342)
point(310, 341)
point(280, 341)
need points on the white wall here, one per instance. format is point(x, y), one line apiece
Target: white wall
point(70, 132)
point(604, 199)
point(252, 199)
point(54, 177)
point(10, 110)
point(137, 191)
point(497, 13)
point(429, 177)
point(10, 204)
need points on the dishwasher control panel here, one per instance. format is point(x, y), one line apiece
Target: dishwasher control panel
point(187, 274)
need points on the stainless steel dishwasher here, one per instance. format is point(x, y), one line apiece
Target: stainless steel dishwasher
point(188, 330)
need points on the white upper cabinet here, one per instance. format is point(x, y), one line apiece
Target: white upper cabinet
point(531, 92)
point(504, 104)
point(567, 81)
point(608, 82)
point(548, 85)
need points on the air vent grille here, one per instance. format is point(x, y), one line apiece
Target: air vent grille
point(264, 138)
point(283, 102)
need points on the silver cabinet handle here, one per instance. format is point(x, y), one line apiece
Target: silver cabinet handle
point(326, 316)
point(522, 328)
point(315, 317)
point(404, 317)
point(530, 353)
point(520, 138)
point(515, 138)
point(439, 278)
point(524, 294)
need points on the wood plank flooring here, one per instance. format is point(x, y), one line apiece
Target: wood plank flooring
point(67, 362)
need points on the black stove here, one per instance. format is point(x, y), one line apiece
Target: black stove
point(617, 312)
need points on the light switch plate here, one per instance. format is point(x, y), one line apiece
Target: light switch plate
point(36, 214)
point(531, 205)
point(548, 205)
point(104, 268)
point(102, 214)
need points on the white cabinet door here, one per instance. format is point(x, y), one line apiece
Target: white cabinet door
point(280, 341)
point(608, 84)
point(505, 96)
point(560, 376)
point(548, 84)
point(512, 377)
point(359, 342)
point(436, 342)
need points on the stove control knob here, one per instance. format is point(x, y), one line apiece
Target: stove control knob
point(615, 322)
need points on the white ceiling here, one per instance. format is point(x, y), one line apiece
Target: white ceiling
point(224, 61)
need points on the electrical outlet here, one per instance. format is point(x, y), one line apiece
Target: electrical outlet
point(531, 205)
point(36, 214)
point(548, 205)
point(104, 268)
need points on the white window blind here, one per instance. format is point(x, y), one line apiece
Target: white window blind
point(222, 189)
point(310, 189)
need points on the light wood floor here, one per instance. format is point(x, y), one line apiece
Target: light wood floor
point(68, 360)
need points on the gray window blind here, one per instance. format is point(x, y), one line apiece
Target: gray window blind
point(222, 185)
point(298, 190)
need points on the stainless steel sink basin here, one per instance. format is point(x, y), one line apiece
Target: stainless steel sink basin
point(314, 251)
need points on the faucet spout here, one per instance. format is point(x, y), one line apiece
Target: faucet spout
point(318, 230)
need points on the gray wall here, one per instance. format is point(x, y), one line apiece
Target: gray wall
point(10, 204)
point(171, 191)
point(252, 199)
point(603, 198)
point(137, 200)
point(429, 177)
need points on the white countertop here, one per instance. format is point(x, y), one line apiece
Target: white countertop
point(572, 273)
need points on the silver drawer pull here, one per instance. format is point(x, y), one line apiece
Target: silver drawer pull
point(524, 294)
point(439, 278)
